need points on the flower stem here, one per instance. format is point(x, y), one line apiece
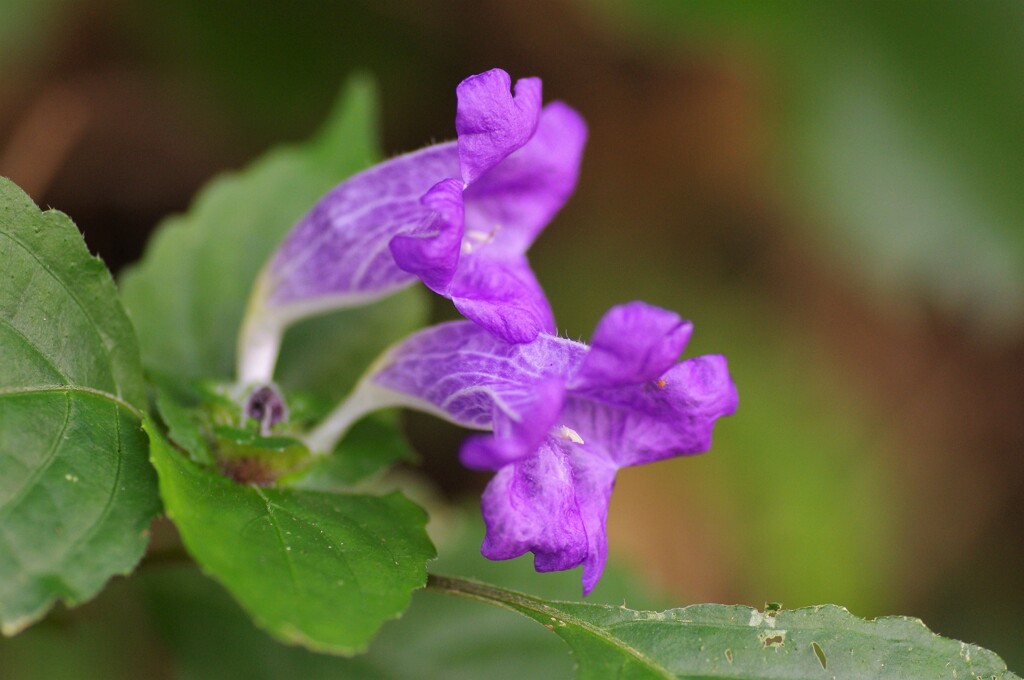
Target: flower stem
point(258, 346)
point(483, 592)
point(364, 399)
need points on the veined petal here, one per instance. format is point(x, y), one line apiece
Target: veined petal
point(553, 504)
point(594, 478)
point(531, 506)
point(491, 122)
point(656, 420)
point(517, 437)
point(633, 343)
point(471, 377)
point(464, 374)
point(432, 251)
point(518, 197)
point(503, 296)
point(338, 253)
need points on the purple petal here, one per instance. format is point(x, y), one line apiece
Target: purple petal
point(339, 250)
point(471, 377)
point(518, 197)
point(432, 253)
point(653, 421)
point(503, 296)
point(491, 123)
point(517, 437)
point(531, 507)
point(553, 504)
point(633, 343)
point(594, 477)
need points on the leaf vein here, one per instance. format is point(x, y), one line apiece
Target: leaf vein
point(67, 389)
point(51, 455)
point(43, 355)
point(285, 549)
point(109, 346)
point(101, 518)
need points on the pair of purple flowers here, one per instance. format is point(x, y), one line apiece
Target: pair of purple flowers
point(563, 417)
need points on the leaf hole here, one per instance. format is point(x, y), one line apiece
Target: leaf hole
point(820, 653)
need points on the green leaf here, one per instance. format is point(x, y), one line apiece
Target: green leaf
point(182, 429)
point(321, 570)
point(188, 295)
point(76, 492)
point(723, 641)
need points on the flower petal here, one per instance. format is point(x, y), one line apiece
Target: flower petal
point(432, 251)
point(554, 504)
point(531, 506)
point(491, 122)
point(594, 478)
point(517, 198)
point(503, 296)
point(464, 374)
point(517, 435)
point(337, 254)
point(644, 423)
point(633, 343)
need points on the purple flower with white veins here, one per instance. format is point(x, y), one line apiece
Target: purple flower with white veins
point(565, 418)
point(459, 216)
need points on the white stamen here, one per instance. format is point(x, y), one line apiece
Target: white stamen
point(475, 237)
point(569, 434)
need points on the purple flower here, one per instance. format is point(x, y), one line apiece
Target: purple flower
point(459, 216)
point(565, 418)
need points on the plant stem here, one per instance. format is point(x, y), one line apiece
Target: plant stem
point(482, 592)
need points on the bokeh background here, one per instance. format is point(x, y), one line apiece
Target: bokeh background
point(832, 191)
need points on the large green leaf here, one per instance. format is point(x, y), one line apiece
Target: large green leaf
point(724, 641)
point(321, 570)
point(76, 492)
point(188, 296)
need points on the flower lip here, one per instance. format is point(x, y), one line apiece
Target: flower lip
point(491, 122)
point(633, 343)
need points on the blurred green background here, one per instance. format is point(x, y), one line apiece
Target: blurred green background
point(832, 191)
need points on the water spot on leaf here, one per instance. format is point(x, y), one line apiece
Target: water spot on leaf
point(820, 653)
point(728, 656)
